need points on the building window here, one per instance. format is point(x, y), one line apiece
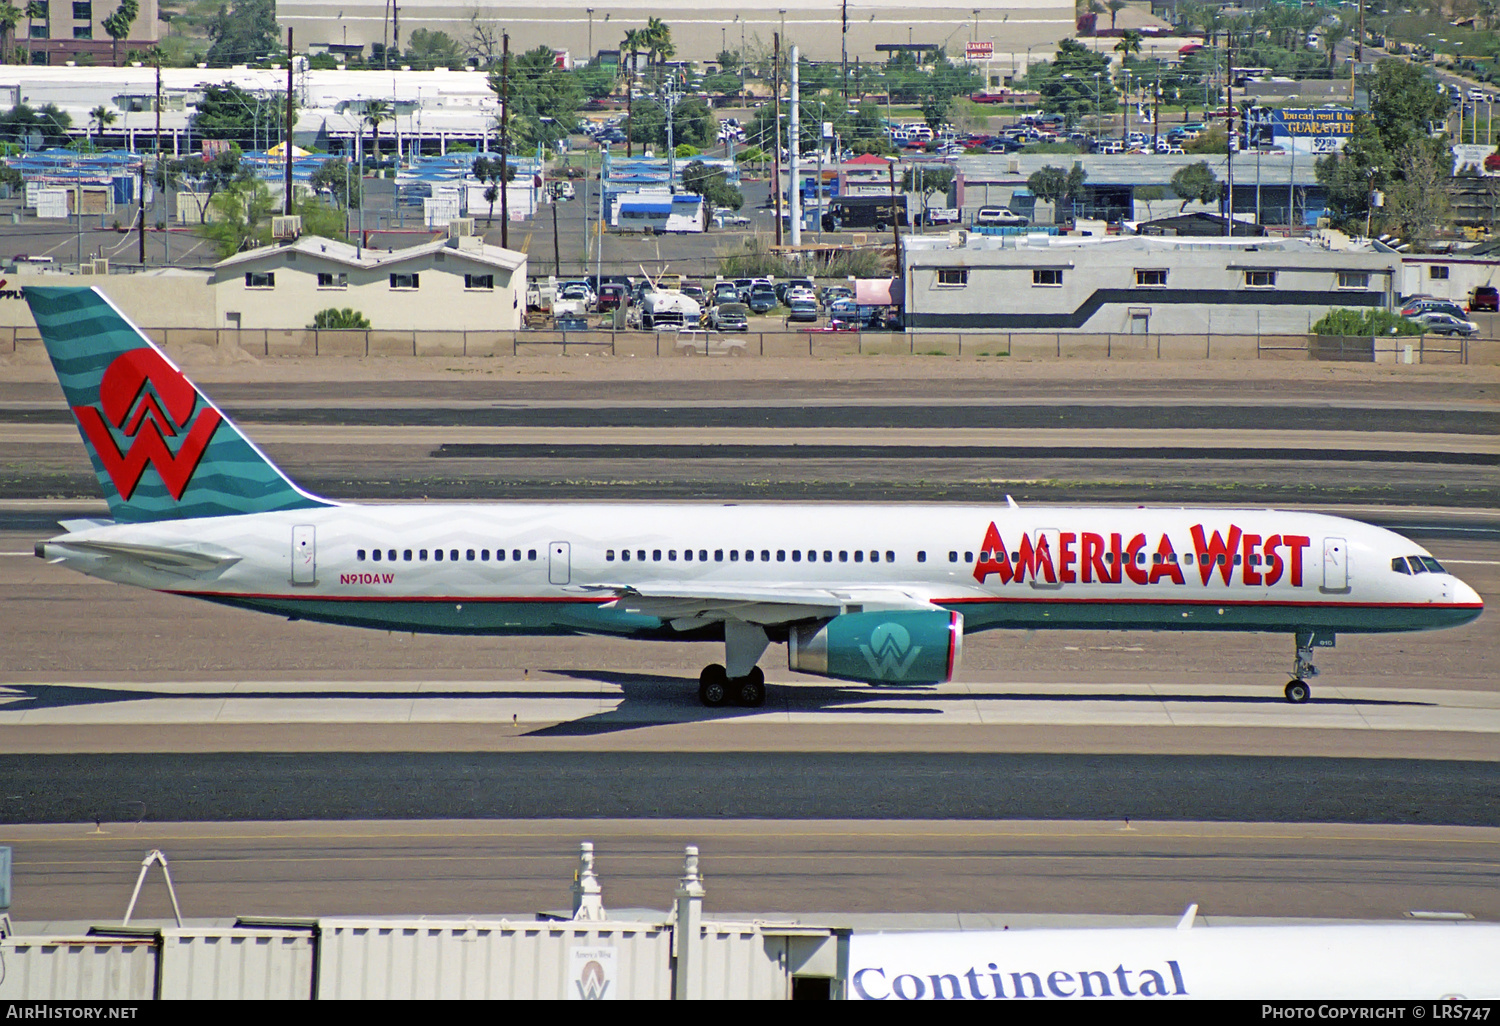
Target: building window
point(1354, 279)
point(36, 31)
point(83, 32)
point(1435, 272)
point(481, 282)
point(83, 11)
point(257, 280)
point(327, 280)
point(953, 277)
point(1150, 278)
point(405, 281)
point(1046, 277)
point(1260, 279)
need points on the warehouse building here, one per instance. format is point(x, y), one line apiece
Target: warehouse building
point(1140, 284)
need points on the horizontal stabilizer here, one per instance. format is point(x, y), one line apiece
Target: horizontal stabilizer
point(191, 559)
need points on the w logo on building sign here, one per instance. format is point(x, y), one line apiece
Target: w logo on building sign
point(890, 652)
point(149, 401)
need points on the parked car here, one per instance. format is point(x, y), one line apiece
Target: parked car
point(1445, 324)
point(612, 295)
point(1484, 297)
point(1001, 217)
point(569, 321)
point(1413, 307)
point(742, 285)
point(802, 308)
point(762, 298)
point(729, 316)
point(724, 292)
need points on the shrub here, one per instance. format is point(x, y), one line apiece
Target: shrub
point(1367, 324)
point(333, 318)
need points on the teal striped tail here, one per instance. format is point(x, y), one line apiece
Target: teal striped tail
point(161, 449)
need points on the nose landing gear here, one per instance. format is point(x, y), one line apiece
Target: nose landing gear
point(1298, 690)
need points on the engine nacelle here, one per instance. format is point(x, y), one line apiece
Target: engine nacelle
point(903, 646)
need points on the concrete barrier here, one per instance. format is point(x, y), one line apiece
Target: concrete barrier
point(1034, 346)
point(284, 342)
point(1182, 347)
point(343, 343)
point(438, 343)
point(1086, 347)
point(392, 343)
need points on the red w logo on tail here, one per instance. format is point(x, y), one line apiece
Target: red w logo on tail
point(123, 389)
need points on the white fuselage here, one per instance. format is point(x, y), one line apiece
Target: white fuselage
point(558, 568)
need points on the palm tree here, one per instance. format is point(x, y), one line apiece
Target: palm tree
point(377, 112)
point(117, 25)
point(10, 17)
point(100, 117)
point(1115, 7)
point(635, 41)
point(1130, 43)
point(658, 41)
point(1333, 35)
point(36, 10)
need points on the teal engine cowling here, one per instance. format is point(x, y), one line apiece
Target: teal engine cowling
point(906, 646)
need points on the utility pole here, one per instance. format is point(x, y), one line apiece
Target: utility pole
point(794, 147)
point(896, 237)
point(556, 248)
point(287, 199)
point(166, 236)
point(1230, 126)
point(776, 132)
point(504, 139)
point(844, 52)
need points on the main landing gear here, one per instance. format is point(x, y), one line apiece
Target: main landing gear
point(740, 681)
point(716, 688)
point(1298, 690)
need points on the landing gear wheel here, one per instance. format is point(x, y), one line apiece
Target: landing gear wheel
point(713, 686)
point(1298, 692)
point(750, 690)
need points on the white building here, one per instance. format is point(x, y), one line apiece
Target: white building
point(450, 284)
point(1138, 284)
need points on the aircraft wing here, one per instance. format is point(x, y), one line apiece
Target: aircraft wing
point(178, 559)
point(687, 605)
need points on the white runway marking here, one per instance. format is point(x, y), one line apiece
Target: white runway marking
point(606, 705)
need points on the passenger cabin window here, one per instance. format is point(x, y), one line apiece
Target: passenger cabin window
point(359, 554)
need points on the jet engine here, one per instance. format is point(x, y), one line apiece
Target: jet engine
point(903, 646)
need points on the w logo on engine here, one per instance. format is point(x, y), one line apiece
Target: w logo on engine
point(890, 652)
point(147, 400)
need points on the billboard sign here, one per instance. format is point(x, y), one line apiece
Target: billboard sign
point(1310, 130)
point(1396, 961)
point(979, 51)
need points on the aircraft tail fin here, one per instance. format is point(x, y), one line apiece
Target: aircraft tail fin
point(160, 447)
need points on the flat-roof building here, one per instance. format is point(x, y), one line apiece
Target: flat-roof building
point(1140, 284)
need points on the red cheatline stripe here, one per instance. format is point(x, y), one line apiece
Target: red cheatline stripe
point(1206, 603)
point(389, 598)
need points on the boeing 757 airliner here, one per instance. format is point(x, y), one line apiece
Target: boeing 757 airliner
point(876, 594)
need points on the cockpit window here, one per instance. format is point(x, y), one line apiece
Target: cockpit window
point(1416, 564)
point(1432, 565)
point(1399, 565)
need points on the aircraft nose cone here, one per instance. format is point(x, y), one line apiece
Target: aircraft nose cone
point(1465, 595)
